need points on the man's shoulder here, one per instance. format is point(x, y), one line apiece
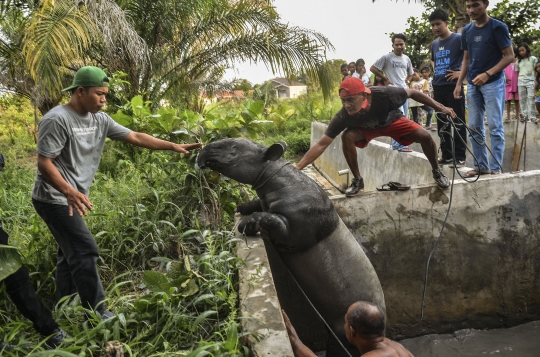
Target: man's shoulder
point(339, 115)
point(498, 23)
point(58, 114)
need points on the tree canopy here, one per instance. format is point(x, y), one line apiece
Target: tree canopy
point(167, 49)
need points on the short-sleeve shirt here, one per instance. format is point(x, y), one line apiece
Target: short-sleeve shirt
point(365, 77)
point(485, 45)
point(75, 142)
point(446, 55)
point(526, 71)
point(385, 104)
point(396, 68)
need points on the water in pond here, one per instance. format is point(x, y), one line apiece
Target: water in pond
point(519, 341)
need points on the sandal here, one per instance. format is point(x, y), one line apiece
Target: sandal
point(393, 186)
point(477, 172)
point(405, 149)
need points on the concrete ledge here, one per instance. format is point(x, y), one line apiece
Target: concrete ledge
point(379, 164)
point(485, 271)
point(259, 304)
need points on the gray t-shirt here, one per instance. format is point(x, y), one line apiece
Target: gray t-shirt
point(75, 142)
point(396, 68)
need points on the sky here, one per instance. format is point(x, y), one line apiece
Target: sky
point(362, 36)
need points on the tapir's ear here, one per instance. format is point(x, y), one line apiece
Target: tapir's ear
point(275, 151)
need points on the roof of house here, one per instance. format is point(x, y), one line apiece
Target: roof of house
point(288, 83)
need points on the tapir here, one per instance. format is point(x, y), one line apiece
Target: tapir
point(295, 215)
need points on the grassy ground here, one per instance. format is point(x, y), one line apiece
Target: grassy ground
point(167, 255)
point(163, 230)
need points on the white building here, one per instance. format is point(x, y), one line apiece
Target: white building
point(288, 89)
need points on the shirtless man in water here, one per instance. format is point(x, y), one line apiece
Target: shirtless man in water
point(364, 328)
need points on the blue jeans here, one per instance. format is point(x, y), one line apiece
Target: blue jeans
point(488, 99)
point(405, 109)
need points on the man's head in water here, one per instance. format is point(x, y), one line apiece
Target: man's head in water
point(354, 95)
point(398, 43)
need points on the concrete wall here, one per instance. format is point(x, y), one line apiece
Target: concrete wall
point(379, 165)
point(259, 304)
point(485, 271)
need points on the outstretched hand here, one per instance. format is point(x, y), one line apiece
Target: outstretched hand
point(299, 349)
point(186, 148)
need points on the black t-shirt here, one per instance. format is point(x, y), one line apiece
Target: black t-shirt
point(385, 103)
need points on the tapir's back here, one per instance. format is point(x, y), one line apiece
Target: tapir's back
point(310, 213)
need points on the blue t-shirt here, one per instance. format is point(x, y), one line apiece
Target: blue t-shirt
point(446, 54)
point(485, 45)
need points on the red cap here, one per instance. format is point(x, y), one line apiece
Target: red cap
point(352, 86)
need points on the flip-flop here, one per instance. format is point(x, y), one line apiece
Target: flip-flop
point(405, 150)
point(393, 186)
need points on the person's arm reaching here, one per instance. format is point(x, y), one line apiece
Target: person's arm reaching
point(315, 151)
point(427, 100)
point(299, 349)
point(149, 142)
point(52, 176)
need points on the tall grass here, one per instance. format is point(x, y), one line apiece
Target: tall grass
point(166, 257)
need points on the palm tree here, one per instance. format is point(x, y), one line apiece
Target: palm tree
point(167, 48)
point(190, 41)
point(43, 42)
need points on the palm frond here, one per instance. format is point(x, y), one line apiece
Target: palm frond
point(57, 35)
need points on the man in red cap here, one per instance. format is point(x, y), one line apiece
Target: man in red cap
point(368, 113)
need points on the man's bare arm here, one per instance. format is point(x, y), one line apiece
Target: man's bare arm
point(427, 100)
point(379, 73)
point(298, 347)
point(149, 142)
point(315, 151)
point(52, 176)
point(462, 75)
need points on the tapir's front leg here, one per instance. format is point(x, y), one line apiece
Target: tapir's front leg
point(248, 208)
point(272, 226)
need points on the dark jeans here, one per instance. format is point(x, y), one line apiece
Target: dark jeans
point(23, 295)
point(76, 270)
point(429, 112)
point(445, 96)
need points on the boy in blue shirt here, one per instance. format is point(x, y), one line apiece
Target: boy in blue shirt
point(446, 59)
point(487, 50)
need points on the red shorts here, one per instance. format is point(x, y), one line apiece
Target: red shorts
point(401, 127)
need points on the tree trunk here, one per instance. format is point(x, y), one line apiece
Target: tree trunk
point(462, 18)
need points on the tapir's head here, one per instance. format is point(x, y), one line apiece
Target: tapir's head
point(239, 159)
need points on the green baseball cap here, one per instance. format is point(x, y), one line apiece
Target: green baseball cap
point(89, 76)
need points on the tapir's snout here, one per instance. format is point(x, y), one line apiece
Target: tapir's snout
point(205, 160)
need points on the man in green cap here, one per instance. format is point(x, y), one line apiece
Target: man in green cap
point(70, 142)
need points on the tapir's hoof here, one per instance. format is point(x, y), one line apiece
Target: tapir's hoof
point(248, 226)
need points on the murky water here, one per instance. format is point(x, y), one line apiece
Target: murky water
point(522, 341)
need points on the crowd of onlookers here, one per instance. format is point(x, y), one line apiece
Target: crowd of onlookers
point(479, 69)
